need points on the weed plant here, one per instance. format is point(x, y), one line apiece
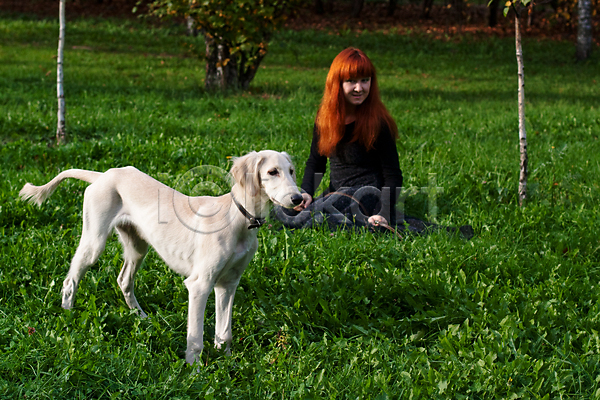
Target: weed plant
point(512, 313)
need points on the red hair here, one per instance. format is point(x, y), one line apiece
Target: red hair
point(351, 63)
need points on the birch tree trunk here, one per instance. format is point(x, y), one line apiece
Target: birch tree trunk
point(221, 67)
point(190, 25)
point(226, 71)
point(60, 130)
point(521, 97)
point(584, 29)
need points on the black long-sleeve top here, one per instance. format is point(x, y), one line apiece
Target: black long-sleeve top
point(352, 165)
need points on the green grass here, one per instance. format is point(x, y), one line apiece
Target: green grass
point(513, 313)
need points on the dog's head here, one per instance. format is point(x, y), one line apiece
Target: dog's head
point(268, 173)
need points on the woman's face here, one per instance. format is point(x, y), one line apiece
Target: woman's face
point(356, 90)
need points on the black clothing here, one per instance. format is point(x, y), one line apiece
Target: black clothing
point(352, 165)
point(354, 170)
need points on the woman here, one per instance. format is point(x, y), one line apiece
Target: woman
point(355, 132)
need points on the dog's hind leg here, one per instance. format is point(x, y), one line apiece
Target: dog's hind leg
point(99, 210)
point(87, 253)
point(134, 251)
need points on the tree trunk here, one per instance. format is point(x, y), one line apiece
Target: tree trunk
point(221, 68)
point(391, 7)
point(246, 74)
point(530, 15)
point(323, 7)
point(458, 9)
point(584, 30)
point(319, 8)
point(426, 12)
point(190, 26)
point(521, 97)
point(493, 16)
point(60, 130)
point(357, 6)
point(190, 23)
point(225, 71)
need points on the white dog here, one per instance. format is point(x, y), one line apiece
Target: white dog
point(209, 240)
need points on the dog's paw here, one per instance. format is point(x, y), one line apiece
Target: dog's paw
point(68, 294)
point(192, 358)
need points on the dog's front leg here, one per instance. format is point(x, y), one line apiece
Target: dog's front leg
point(225, 288)
point(224, 295)
point(199, 290)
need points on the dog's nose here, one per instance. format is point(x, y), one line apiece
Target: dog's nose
point(296, 199)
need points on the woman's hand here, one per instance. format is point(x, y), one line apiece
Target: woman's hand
point(377, 220)
point(306, 200)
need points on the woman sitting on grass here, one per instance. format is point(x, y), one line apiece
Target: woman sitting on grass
point(356, 133)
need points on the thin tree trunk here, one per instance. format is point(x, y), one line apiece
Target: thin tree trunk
point(493, 16)
point(391, 7)
point(426, 12)
point(458, 9)
point(357, 6)
point(584, 29)
point(319, 8)
point(522, 132)
point(530, 15)
point(323, 7)
point(60, 130)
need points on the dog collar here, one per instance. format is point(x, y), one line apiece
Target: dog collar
point(254, 222)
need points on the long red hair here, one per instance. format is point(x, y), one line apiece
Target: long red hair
point(351, 63)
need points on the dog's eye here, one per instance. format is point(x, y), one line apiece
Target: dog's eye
point(273, 172)
point(291, 171)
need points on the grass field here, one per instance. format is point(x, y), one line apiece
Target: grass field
point(513, 313)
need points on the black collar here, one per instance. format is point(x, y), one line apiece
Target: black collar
point(254, 222)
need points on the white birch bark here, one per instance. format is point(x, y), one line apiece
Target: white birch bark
point(584, 29)
point(60, 130)
point(190, 25)
point(521, 98)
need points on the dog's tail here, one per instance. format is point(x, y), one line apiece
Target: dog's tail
point(38, 194)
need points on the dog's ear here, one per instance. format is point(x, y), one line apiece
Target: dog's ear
point(245, 172)
point(286, 155)
point(241, 167)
